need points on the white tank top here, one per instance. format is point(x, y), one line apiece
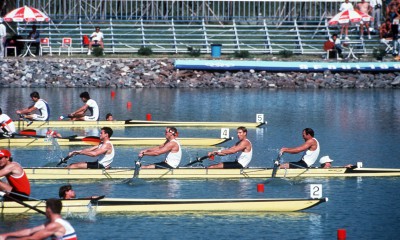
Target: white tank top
point(7, 123)
point(245, 157)
point(107, 159)
point(310, 157)
point(70, 233)
point(173, 159)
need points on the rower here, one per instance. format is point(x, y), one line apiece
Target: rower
point(39, 104)
point(55, 227)
point(7, 126)
point(91, 105)
point(311, 151)
point(66, 192)
point(109, 117)
point(170, 147)
point(325, 162)
point(105, 150)
point(18, 185)
point(244, 149)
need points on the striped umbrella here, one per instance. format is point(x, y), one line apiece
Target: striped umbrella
point(28, 14)
point(365, 17)
point(345, 17)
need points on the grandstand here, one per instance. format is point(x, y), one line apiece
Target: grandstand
point(260, 27)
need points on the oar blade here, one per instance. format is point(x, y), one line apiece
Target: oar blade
point(276, 165)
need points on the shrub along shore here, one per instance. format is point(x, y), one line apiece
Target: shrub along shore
point(161, 73)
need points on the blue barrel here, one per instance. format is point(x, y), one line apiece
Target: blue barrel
point(216, 50)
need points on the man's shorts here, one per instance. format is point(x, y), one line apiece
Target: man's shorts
point(38, 117)
point(95, 165)
point(162, 165)
point(90, 118)
point(299, 164)
point(232, 165)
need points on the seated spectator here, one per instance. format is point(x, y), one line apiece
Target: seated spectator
point(334, 45)
point(12, 42)
point(34, 34)
point(385, 30)
point(96, 39)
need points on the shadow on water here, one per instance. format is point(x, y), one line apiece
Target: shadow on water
point(278, 181)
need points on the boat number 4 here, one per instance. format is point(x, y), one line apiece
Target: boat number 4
point(315, 191)
point(260, 118)
point(224, 132)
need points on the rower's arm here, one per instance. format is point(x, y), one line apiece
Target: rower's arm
point(81, 109)
point(26, 110)
point(159, 150)
point(22, 233)
point(234, 149)
point(95, 151)
point(298, 149)
point(47, 231)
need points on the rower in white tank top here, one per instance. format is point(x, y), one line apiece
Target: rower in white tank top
point(107, 159)
point(245, 157)
point(69, 234)
point(173, 159)
point(310, 157)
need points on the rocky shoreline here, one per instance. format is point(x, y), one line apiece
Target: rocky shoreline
point(161, 73)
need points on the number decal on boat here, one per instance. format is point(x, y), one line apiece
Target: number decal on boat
point(224, 132)
point(260, 118)
point(315, 191)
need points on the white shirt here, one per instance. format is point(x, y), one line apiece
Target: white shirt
point(93, 108)
point(245, 157)
point(69, 230)
point(7, 123)
point(346, 6)
point(310, 157)
point(375, 2)
point(3, 31)
point(107, 159)
point(173, 159)
point(97, 36)
point(43, 108)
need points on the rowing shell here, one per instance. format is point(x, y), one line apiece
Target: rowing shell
point(127, 205)
point(119, 141)
point(204, 173)
point(138, 123)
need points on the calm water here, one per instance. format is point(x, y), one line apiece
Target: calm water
point(351, 126)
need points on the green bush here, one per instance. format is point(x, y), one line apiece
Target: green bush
point(194, 52)
point(98, 51)
point(145, 51)
point(242, 54)
point(285, 53)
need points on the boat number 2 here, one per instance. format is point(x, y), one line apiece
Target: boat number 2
point(260, 118)
point(315, 190)
point(224, 132)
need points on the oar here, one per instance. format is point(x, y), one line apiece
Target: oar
point(28, 121)
point(276, 165)
point(7, 194)
point(91, 139)
point(137, 168)
point(200, 160)
point(64, 160)
point(32, 133)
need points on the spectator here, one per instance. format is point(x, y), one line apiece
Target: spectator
point(334, 44)
point(376, 13)
point(34, 34)
point(96, 39)
point(385, 34)
point(365, 8)
point(391, 10)
point(3, 34)
point(345, 27)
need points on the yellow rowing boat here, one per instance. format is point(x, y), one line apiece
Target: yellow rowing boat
point(44, 173)
point(118, 141)
point(137, 123)
point(128, 205)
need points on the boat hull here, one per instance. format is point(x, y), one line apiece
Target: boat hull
point(204, 173)
point(126, 205)
point(82, 141)
point(137, 123)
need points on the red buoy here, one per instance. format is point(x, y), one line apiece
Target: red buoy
point(260, 187)
point(128, 105)
point(148, 117)
point(112, 94)
point(341, 234)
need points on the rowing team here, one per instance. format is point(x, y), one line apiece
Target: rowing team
point(40, 111)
